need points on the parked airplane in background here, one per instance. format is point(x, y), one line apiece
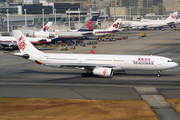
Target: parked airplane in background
point(44, 31)
point(84, 31)
point(150, 24)
point(10, 42)
point(94, 64)
point(102, 32)
point(171, 20)
point(112, 29)
point(39, 38)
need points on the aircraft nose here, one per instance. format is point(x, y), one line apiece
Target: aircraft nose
point(175, 64)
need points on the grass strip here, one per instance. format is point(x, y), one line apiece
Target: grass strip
point(175, 103)
point(74, 109)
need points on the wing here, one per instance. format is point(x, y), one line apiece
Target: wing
point(87, 33)
point(24, 55)
point(171, 23)
point(79, 65)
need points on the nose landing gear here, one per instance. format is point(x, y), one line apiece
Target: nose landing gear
point(159, 74)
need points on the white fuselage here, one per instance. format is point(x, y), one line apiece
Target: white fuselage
point(96, 32)
point(150, 24)
point(11, 41)
point(101, 32)
point(116, 62)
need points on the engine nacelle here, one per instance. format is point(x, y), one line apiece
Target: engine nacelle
point(105, 72)
point(43, 34)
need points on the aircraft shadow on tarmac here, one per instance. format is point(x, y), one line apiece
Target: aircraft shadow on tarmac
point(120, 81)
point(139, 75)
point(132, 79)
point(43, 72)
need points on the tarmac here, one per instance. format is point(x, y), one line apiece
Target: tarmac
point(24, 79)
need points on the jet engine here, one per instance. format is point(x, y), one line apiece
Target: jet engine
point(43, 34)
point(105, 72)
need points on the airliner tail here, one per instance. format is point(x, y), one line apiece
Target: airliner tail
point(24, 45)
point(90, 25)
point(46, 27)
point(115, 25)
point(172, 16)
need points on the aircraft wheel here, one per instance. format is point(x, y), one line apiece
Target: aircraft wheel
point(159, 74)
point(84, 75)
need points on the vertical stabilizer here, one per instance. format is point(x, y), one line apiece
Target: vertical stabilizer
point(172, 16)
point(46, 27)
point(115, 25)
point(24, 45)
point(90, 25)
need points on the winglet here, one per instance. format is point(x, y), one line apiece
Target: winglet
point(92, 52)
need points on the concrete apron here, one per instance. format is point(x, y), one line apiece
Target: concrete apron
point(158, 104)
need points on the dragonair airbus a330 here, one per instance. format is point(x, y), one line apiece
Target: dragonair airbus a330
point(94, 64)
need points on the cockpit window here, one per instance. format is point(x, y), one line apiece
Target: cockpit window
point(170, 60)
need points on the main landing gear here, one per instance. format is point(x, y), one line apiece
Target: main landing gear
point(87, 75)
point(159, 74)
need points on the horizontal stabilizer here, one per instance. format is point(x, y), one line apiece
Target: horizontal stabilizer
point(24, 55)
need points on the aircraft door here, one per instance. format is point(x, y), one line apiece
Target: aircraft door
point(126, 61)
point(79, 59)
point(159, 62)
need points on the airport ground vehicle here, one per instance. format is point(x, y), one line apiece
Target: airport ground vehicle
point(107, 38)
point(143, 34)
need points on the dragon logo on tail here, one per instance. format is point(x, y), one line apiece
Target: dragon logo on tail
point(22, 44)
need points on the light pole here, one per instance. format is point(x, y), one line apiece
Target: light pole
point(124, 12)
point(7, 20)
point(114, 13)
point(137, 11)
point(43, 16)
point(130, 12)
point(69, 18)
point(55, 15)
point(25, 18)
point(79, 15)
point(105, 14)
point(90, 12)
